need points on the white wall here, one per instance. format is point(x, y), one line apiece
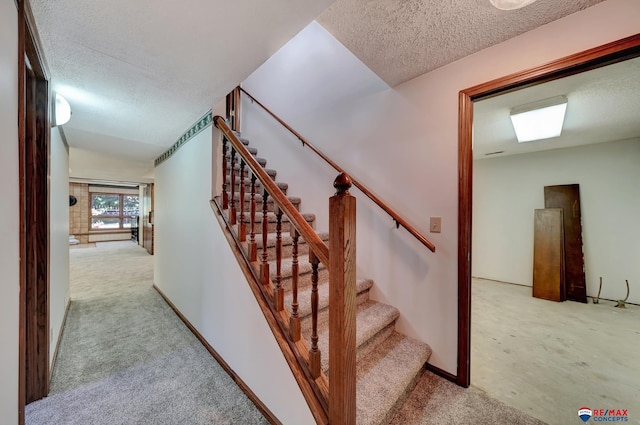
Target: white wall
point(90, 165)
point(196, 269)
point(508, 189)
point(9, 218)
point(59, 237)
point(402, 142)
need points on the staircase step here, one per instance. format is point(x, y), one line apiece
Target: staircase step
point(304, 297)
point(261, 161)
point(272, 173)
point(270, 203)
point(247, 185)
point(386, 376)
point(252, 151)
point(271, 217)
point(304, 272)
point(287, 244)
point(372, 319)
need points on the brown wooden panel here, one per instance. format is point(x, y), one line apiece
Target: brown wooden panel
point(548, 255)
point(613, 52)
point(567, 197)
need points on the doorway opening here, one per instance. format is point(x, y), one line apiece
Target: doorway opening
point(595, 58)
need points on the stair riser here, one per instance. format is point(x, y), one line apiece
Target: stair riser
point(304, 279)
point(247, 187)
point(270, 206)
point(271, 228)
point(261, 161)
point(287, 250)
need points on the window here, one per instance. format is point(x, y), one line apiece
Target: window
point(113, 210)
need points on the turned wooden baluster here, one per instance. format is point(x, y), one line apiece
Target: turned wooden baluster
point(278, 293)
point(314, 353)
point(232, 210)
point(253, 249)
point(294, 320)
point(264, 267)
point(225, 195)
point(243, 227)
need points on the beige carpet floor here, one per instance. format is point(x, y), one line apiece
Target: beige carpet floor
point(126, 358)
point(550, 359)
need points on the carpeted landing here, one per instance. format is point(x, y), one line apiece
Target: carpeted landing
point(126, 358)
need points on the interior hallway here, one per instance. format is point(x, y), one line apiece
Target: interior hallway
point(126, 358)
point(550, 359)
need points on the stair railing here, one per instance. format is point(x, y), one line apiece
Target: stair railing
point(399, 221)
point(334, 401)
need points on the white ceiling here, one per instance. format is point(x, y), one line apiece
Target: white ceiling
point(138, 73)
point(603, 106)
point(400, 40)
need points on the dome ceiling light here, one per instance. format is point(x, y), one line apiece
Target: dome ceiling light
point(510, 4)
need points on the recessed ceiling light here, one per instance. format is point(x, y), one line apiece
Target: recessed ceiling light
point(539, 120)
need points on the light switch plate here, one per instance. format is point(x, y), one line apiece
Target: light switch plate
point(435, 225)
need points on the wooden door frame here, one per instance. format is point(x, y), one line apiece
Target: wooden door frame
point(34, 164)
point(597, 57)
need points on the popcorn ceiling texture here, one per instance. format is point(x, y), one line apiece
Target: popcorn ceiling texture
point(138, 73)
point(400, 40)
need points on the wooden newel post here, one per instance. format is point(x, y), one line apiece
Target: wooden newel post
point(342, 301)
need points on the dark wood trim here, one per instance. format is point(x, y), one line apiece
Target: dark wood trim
point(465, 170)
point(296, 219)
point(400, 221)
point(22, 205)
point(268, 414)
point(606, 54)
point(441, 373)
point(34, 165)
point(56, 349)
point(315, 394)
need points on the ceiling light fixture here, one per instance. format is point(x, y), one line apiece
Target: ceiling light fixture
point(61, 111)
point(510, 4)
point(539, 120)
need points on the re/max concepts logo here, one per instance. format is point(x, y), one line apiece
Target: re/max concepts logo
point(603, 415)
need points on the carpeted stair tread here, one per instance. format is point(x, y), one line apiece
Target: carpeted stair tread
point(386, 376)
point(304, 296)
point(252, 151)
point(371, 318)
point(271, 217)
point(261, 161)
point(304, 267)
point(247, 182)
point(247, 197)
point(286, 238)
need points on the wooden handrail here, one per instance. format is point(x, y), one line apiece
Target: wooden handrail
point(394, 215)
point(295, 218)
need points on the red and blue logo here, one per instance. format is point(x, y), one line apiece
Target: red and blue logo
point(603, 415)
point(585, 413)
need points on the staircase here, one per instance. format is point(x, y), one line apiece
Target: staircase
point(388, 362)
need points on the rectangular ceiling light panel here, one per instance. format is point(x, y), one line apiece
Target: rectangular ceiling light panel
point(539, 120)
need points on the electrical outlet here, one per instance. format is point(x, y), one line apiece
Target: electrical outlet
point(435, 225)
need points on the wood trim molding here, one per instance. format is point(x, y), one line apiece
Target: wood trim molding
point(268, 414)
point(313, 395)
point(441, 373)
point(606, 54)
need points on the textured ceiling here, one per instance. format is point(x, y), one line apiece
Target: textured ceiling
point(400, 40)
point(138, 73)
point(603, 106)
